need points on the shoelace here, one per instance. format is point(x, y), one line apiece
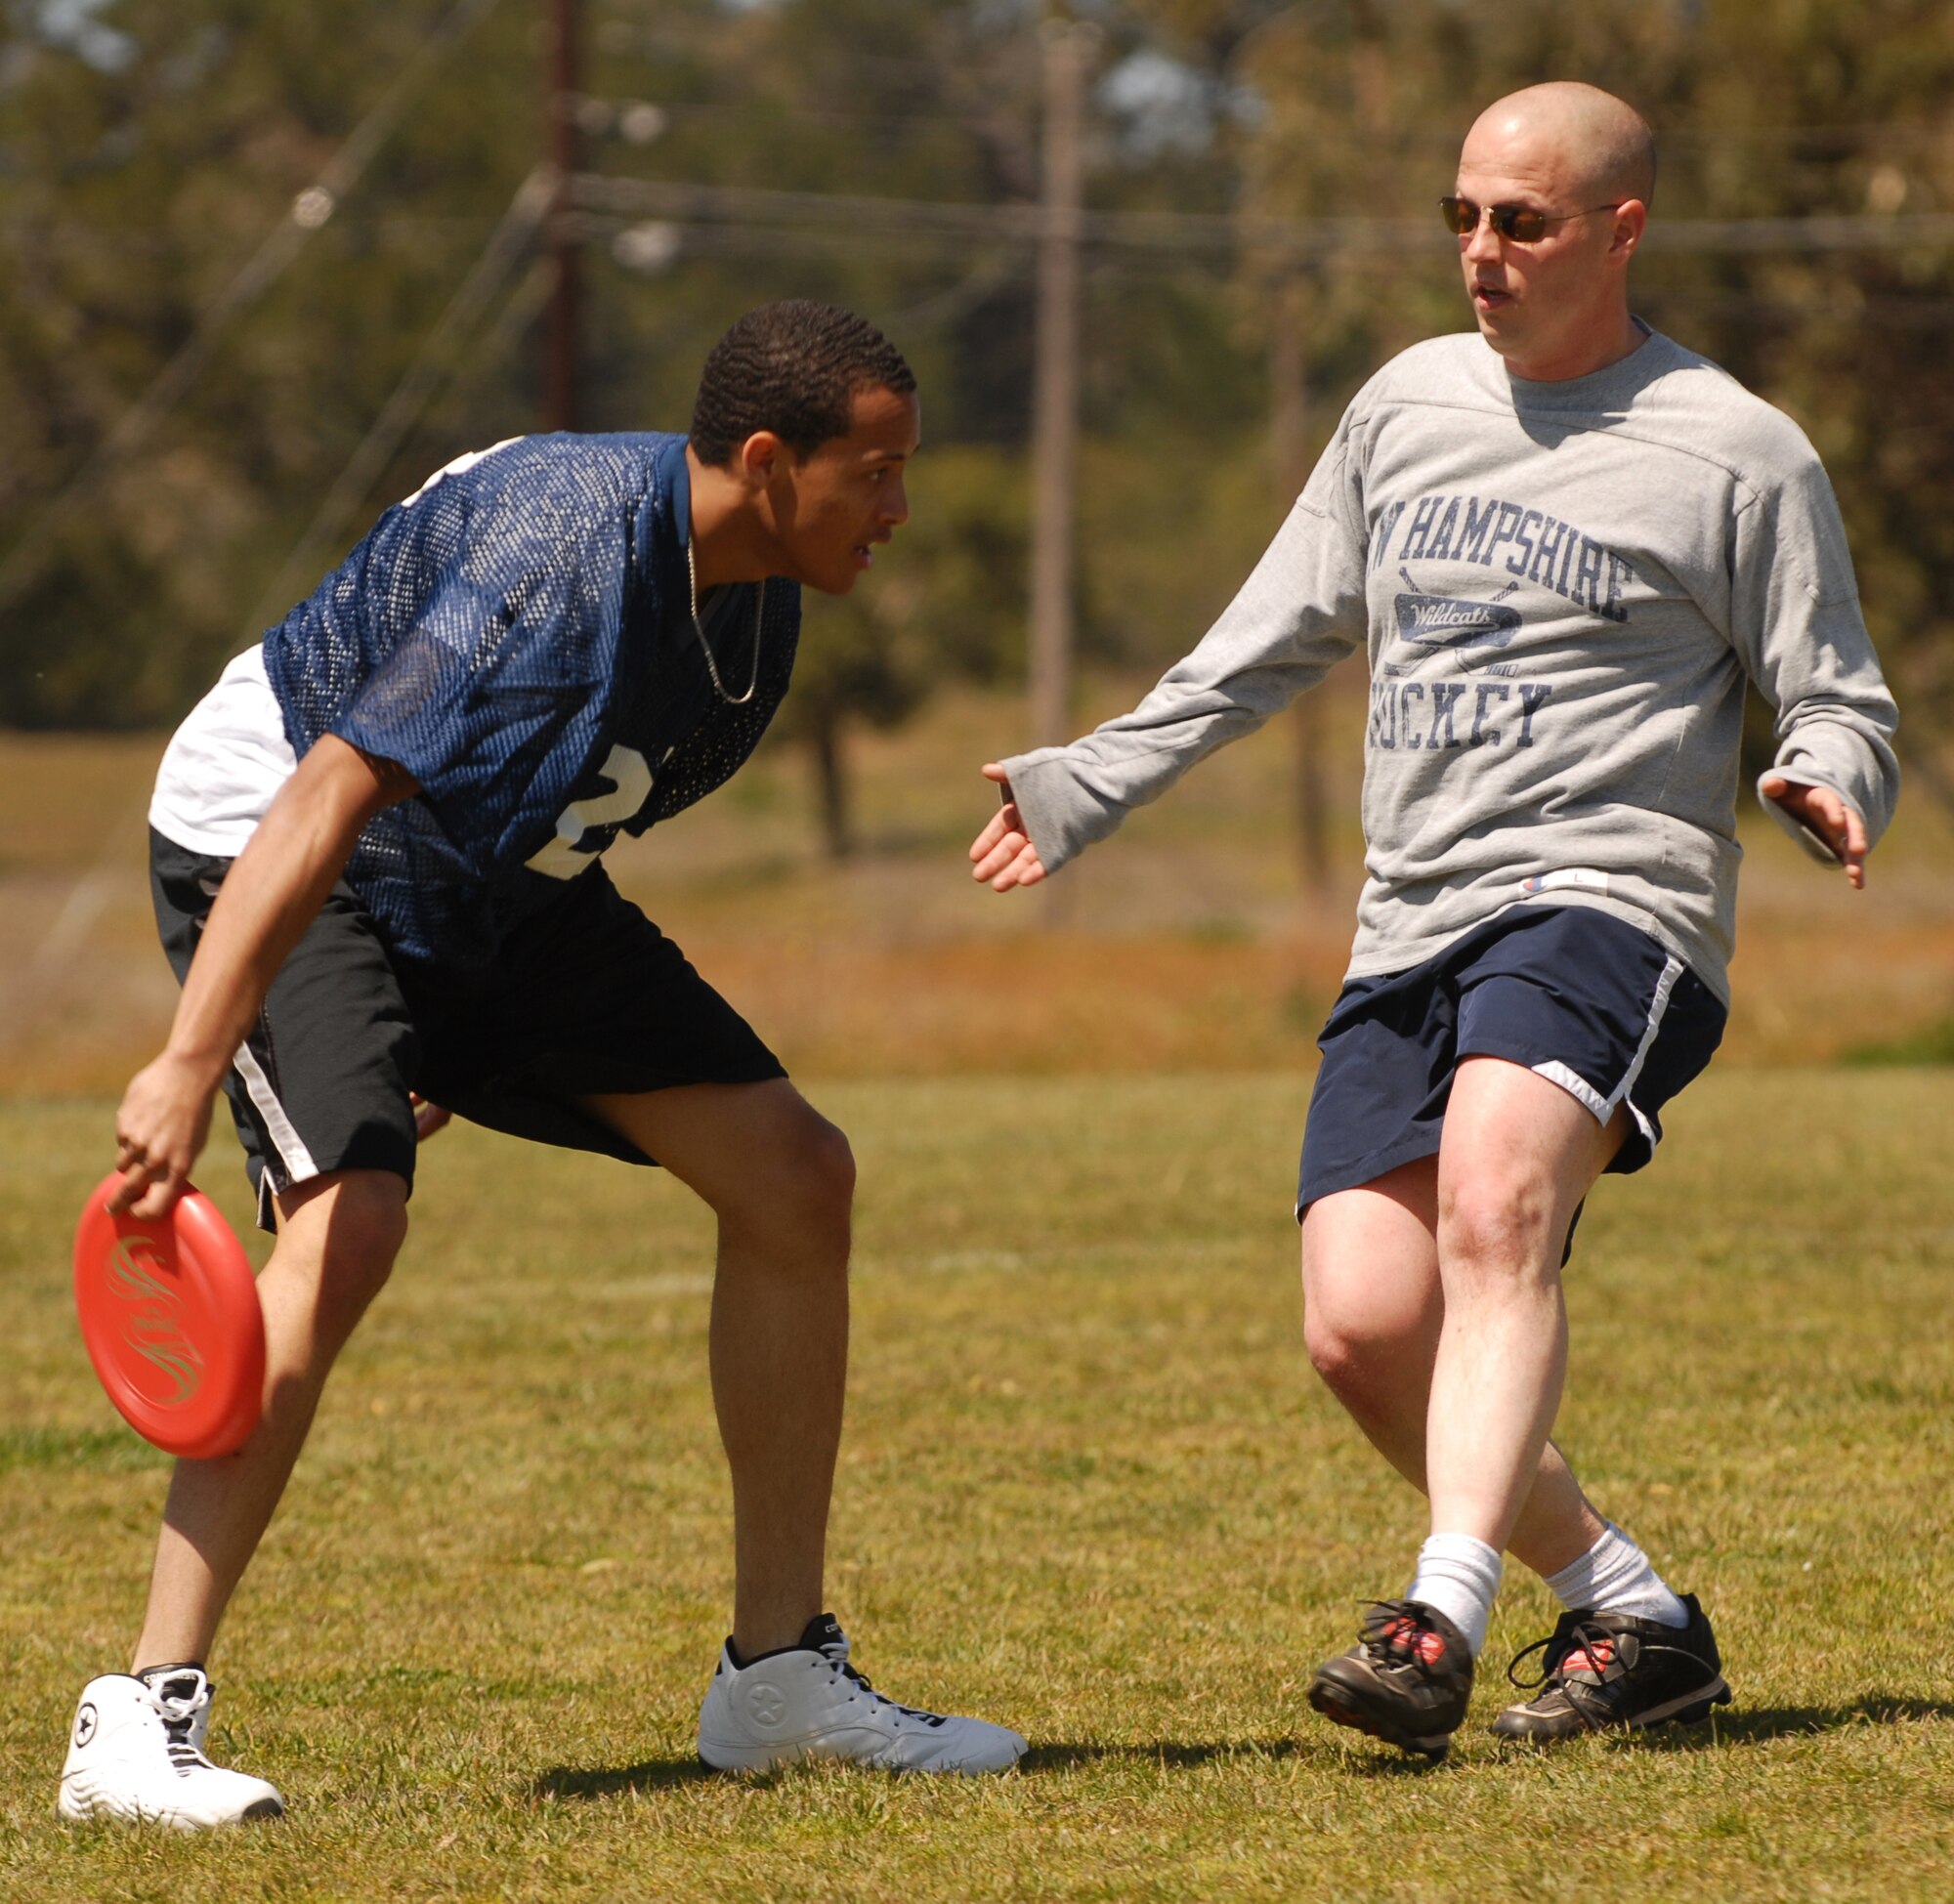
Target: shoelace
point(1396, 1640)
point(1597, 1650)
point(836, 1653)
point(178, 1714)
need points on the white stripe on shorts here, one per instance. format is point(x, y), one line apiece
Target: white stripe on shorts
point(1672, 971)
point(1600, 1108)
point(285, 1139)
point(1576, 1087)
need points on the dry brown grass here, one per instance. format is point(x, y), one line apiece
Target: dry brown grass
point(1188, 942)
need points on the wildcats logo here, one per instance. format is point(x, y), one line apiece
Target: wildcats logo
point(1440, 622)
point(1437, 621)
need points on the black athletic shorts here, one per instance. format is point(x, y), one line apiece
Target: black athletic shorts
point(1601, 1008)
point(585, 995)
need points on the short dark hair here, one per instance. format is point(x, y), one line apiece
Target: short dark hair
point(794, 368)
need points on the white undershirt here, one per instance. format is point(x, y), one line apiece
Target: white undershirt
point(225, 764)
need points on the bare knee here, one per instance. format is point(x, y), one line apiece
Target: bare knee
point(1496, 1235)
point(345, 1232)
point(1358, 1351)
point(822, 1184)
point(1371, 1305)
point(799, 1199)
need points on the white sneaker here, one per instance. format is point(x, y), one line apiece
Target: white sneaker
point(136, 1753)
point(810, 1703)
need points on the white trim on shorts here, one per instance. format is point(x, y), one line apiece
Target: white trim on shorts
point(296, 1158)
point(1600, 1108)
point(1576, 1087)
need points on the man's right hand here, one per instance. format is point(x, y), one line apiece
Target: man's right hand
point(428, 1117)
point(160, 1131)
point(271, 895)
point(1002, 853)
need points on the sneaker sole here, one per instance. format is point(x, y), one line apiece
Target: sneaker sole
point(84, 1810)
point(717, 1755)
point(1692, 1708)
point(1335, 1703)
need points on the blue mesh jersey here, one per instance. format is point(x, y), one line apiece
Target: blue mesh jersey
point(518, 636)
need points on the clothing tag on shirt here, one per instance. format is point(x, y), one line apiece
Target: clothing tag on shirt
point(1589, 878)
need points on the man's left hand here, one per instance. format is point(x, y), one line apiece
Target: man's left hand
point(1821, 811)
point(1002, 853)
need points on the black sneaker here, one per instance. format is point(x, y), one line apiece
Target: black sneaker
point(1609, 1670)
point(1406, 1681)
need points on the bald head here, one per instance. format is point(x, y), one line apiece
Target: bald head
point(1597, 145)
point(1579, 165)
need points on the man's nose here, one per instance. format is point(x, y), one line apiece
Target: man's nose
point(895, 510)
point(1483, 241)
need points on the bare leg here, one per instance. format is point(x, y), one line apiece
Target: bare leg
point(780, 1181)
point(1518, 1155)
point(1374, 1310)
point(338, 1235)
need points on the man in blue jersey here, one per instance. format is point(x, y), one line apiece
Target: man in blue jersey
point(379, 836)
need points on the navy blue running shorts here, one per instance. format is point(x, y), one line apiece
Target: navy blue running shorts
point(584, 996)
point(1597, 1005)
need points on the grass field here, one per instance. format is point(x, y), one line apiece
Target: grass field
point(1089, 1486)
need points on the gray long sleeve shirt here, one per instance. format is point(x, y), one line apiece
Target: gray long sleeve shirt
point(1562, 587)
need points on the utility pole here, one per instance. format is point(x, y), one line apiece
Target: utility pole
point(1069, 50)
point(560, 332)
point(1289, 457)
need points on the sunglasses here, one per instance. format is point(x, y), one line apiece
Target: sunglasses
point(1520, 223)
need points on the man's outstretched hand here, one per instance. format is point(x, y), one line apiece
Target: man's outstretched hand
point(1003, 853)
point(1821, 812)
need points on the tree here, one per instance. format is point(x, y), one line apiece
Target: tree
point(138, 174)
point(1778, 110)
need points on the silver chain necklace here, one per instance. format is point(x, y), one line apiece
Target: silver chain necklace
point(706, 647)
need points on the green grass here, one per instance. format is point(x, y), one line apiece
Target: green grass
point(1089, 1486)
point(1928, 1044)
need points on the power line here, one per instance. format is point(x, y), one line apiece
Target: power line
point(1296, 239)
point(305, 216)
point(773, 114)
point(1817, 232)
point(527, 211)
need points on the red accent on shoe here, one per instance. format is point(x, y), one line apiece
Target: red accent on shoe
point(1596, 1657)
point(1407, 1636)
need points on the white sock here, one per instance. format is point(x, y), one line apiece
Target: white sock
point(1459, 1576)
point(1614, 1575)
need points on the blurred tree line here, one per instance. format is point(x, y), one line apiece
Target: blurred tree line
point(148, 147)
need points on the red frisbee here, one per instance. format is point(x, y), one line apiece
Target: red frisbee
point(169, 1311)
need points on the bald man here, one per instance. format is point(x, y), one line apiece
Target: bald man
point(1566, 543)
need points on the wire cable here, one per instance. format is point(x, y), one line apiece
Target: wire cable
point(306, 214)
point(1297, 238)
point(498, 257)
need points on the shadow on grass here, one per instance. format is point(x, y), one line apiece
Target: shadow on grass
point(1742, 1727)
point(609, 1781)
point(1754, 1725)
point(1179, 1755)
point(667, 1774)
point(1060, 1756)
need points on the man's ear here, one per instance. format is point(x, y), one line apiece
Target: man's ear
point(1630, 221)
point(762, 456)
